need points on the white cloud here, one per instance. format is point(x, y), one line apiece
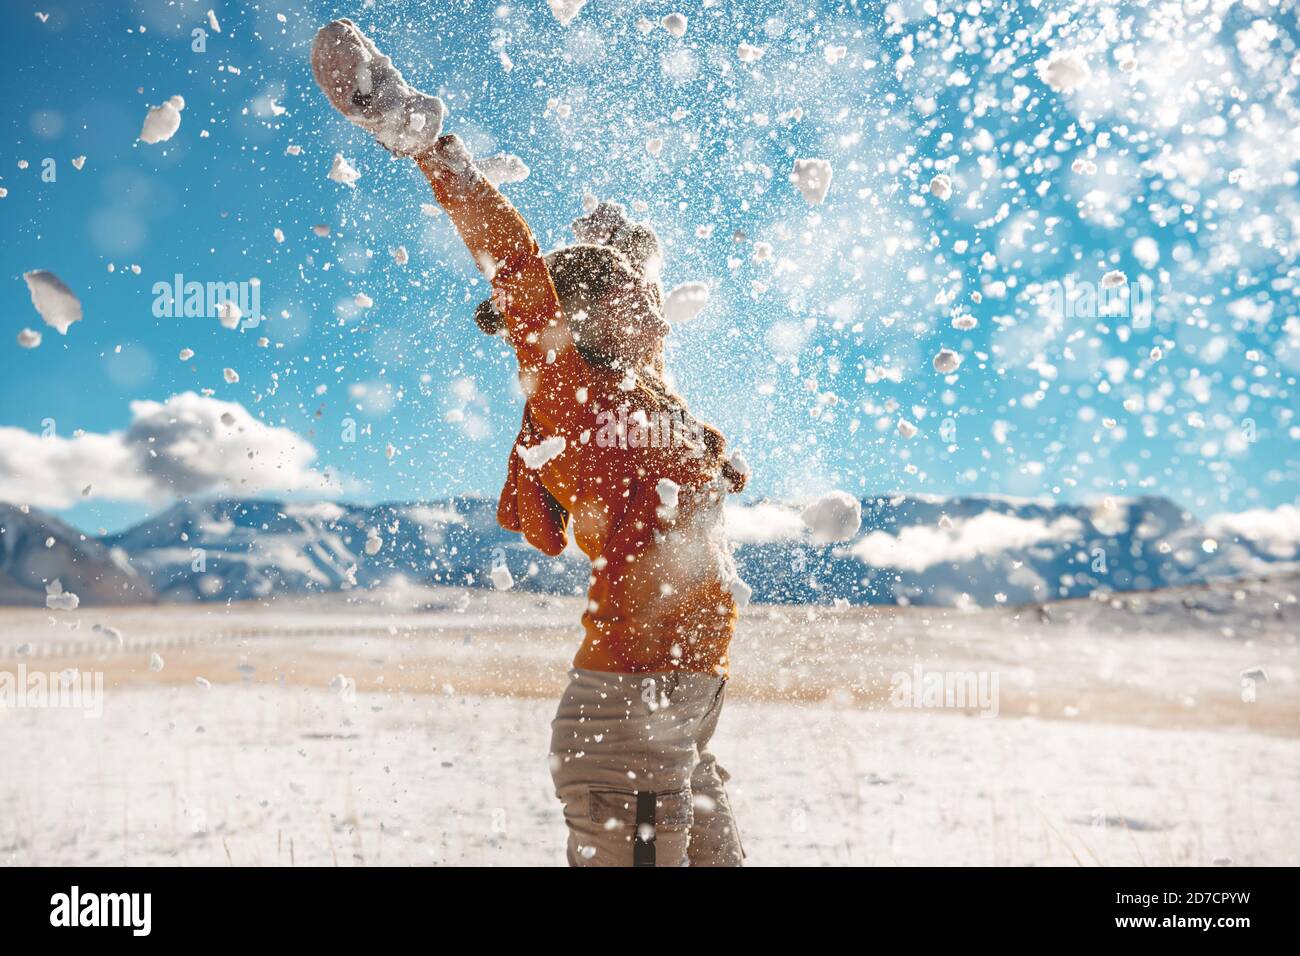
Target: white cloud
point(186, 445)
point(51, 472)
point(919, 547)
point(1274, 531)
point(326, 512)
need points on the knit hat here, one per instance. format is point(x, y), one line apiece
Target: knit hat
point(609, 225)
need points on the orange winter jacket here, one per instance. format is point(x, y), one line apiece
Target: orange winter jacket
point(612, 455)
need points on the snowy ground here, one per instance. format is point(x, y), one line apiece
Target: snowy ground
point(1121, 735)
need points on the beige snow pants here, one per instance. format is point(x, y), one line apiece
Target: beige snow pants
point(630, 762)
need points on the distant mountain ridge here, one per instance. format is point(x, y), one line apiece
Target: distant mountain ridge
point(912, 549)
point(37, 549)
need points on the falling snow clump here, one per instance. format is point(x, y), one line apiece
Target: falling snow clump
point(503, 169)
point(539, 454)
point(835, 516)
point(812, 177)
point(566, 10)
point(1065, 70)
point(946, 361)
point(342, 171)
point(501, 577)
point(56, 303)
point(57, 599)
point(163, 121)
point(686, 301)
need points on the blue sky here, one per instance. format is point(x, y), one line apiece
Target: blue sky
point(1174, 163)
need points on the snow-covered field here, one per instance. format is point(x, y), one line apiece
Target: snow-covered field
point(1121, 735)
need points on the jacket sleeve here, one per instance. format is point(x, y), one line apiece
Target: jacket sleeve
point(507, 253)
point(527, 507)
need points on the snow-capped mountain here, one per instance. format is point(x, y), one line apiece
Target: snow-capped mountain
point(911, 549)
point(235, 549)
point(37, 549)
point(983, 550)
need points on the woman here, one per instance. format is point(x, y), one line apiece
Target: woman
point(608, 451)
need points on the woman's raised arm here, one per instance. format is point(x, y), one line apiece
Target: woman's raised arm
point(503, 247)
